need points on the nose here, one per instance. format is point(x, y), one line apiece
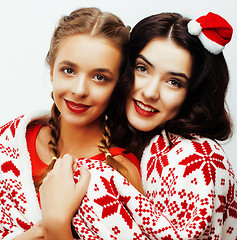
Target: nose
point(80, 86)
point(151, 90)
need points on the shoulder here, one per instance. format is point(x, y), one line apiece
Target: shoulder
point(13, 133)
point(20, 123)
point(199, 158)
point(198, 152)
point(11, 126)
point(202, 146)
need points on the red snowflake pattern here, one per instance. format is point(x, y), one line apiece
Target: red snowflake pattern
point(228, 205)
point(12, 125)
point(111, 204)
point(9, 166)
point(205, 159)
point(159, 160)
point(167, 237)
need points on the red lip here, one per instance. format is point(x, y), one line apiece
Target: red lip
point(142, 111)
point(76, 107)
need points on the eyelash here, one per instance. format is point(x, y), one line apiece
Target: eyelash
point(72, 73)
point(65, 69)
point(140, 67)
point(175, 83)
point(105, 79)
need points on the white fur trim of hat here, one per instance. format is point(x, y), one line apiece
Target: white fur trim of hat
point(213, 31)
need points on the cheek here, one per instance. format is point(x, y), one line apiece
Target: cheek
point(102, 96)
point(129, 106)
point(138, 83)
point(57, 91)
point(60, 86)
point(138, 86)
point(173, 102)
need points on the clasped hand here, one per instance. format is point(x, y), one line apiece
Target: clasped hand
point(60, 196)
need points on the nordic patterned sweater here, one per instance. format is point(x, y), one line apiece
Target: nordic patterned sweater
point(190, 192)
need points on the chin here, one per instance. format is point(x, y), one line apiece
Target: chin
point(143, 127)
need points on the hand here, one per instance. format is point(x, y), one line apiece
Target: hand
point(60, 196)
point(34, 233)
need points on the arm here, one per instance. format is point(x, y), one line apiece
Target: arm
point(60, 198)
point(191, 187)
point(19, 209)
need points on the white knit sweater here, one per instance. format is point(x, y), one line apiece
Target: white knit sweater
point(190, 192)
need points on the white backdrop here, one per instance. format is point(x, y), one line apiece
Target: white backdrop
point(26, 27)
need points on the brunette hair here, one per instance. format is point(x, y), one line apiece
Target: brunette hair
point(97, 24)
point(204, 109)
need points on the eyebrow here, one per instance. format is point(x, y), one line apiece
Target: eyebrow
point(172, 73)
point(144, 59)
point(68, 63)
point(73, 65)
point(179, 75)
point(104, 70)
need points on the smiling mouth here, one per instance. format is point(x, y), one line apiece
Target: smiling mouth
point(144, 110)
point(76, 107)
point(145, 107)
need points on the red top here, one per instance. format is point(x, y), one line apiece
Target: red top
point(38, 165)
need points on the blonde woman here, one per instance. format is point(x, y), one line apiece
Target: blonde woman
point(86, 56)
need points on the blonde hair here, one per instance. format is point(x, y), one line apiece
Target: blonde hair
point(90, 21)
point(96, 23)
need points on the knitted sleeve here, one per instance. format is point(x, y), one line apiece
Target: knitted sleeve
point(193, 189)
point(17, 213)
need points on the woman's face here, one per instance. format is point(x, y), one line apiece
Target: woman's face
point(84, 75)
point(162, 71)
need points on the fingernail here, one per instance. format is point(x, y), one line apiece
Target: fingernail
point(67, 156)
point(85, 165)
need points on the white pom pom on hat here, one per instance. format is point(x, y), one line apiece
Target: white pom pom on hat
point(213, 31)
point(194, 28)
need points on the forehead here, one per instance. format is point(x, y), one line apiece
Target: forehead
point(165, 53)
point(87, 50)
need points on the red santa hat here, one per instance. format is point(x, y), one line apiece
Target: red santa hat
point(213, 31)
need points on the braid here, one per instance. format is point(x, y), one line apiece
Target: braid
point(55, 133)
point(104, 146)
point(105, 143)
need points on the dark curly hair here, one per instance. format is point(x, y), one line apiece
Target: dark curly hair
point(204, 109)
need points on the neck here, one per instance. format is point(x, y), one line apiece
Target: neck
point(80, 141)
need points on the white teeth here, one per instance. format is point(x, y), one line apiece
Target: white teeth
point(144, 107)
point(75, 106)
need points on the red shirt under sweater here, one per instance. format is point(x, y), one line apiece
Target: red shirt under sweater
point(38, 165)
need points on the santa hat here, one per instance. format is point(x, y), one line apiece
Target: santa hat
point(213, 31)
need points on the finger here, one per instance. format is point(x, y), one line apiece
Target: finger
point(74, 166)
point(61, 163)
point(83, 182)
point(68, 157)
point(67, 163)
point(57, 164)
point(45, 180)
